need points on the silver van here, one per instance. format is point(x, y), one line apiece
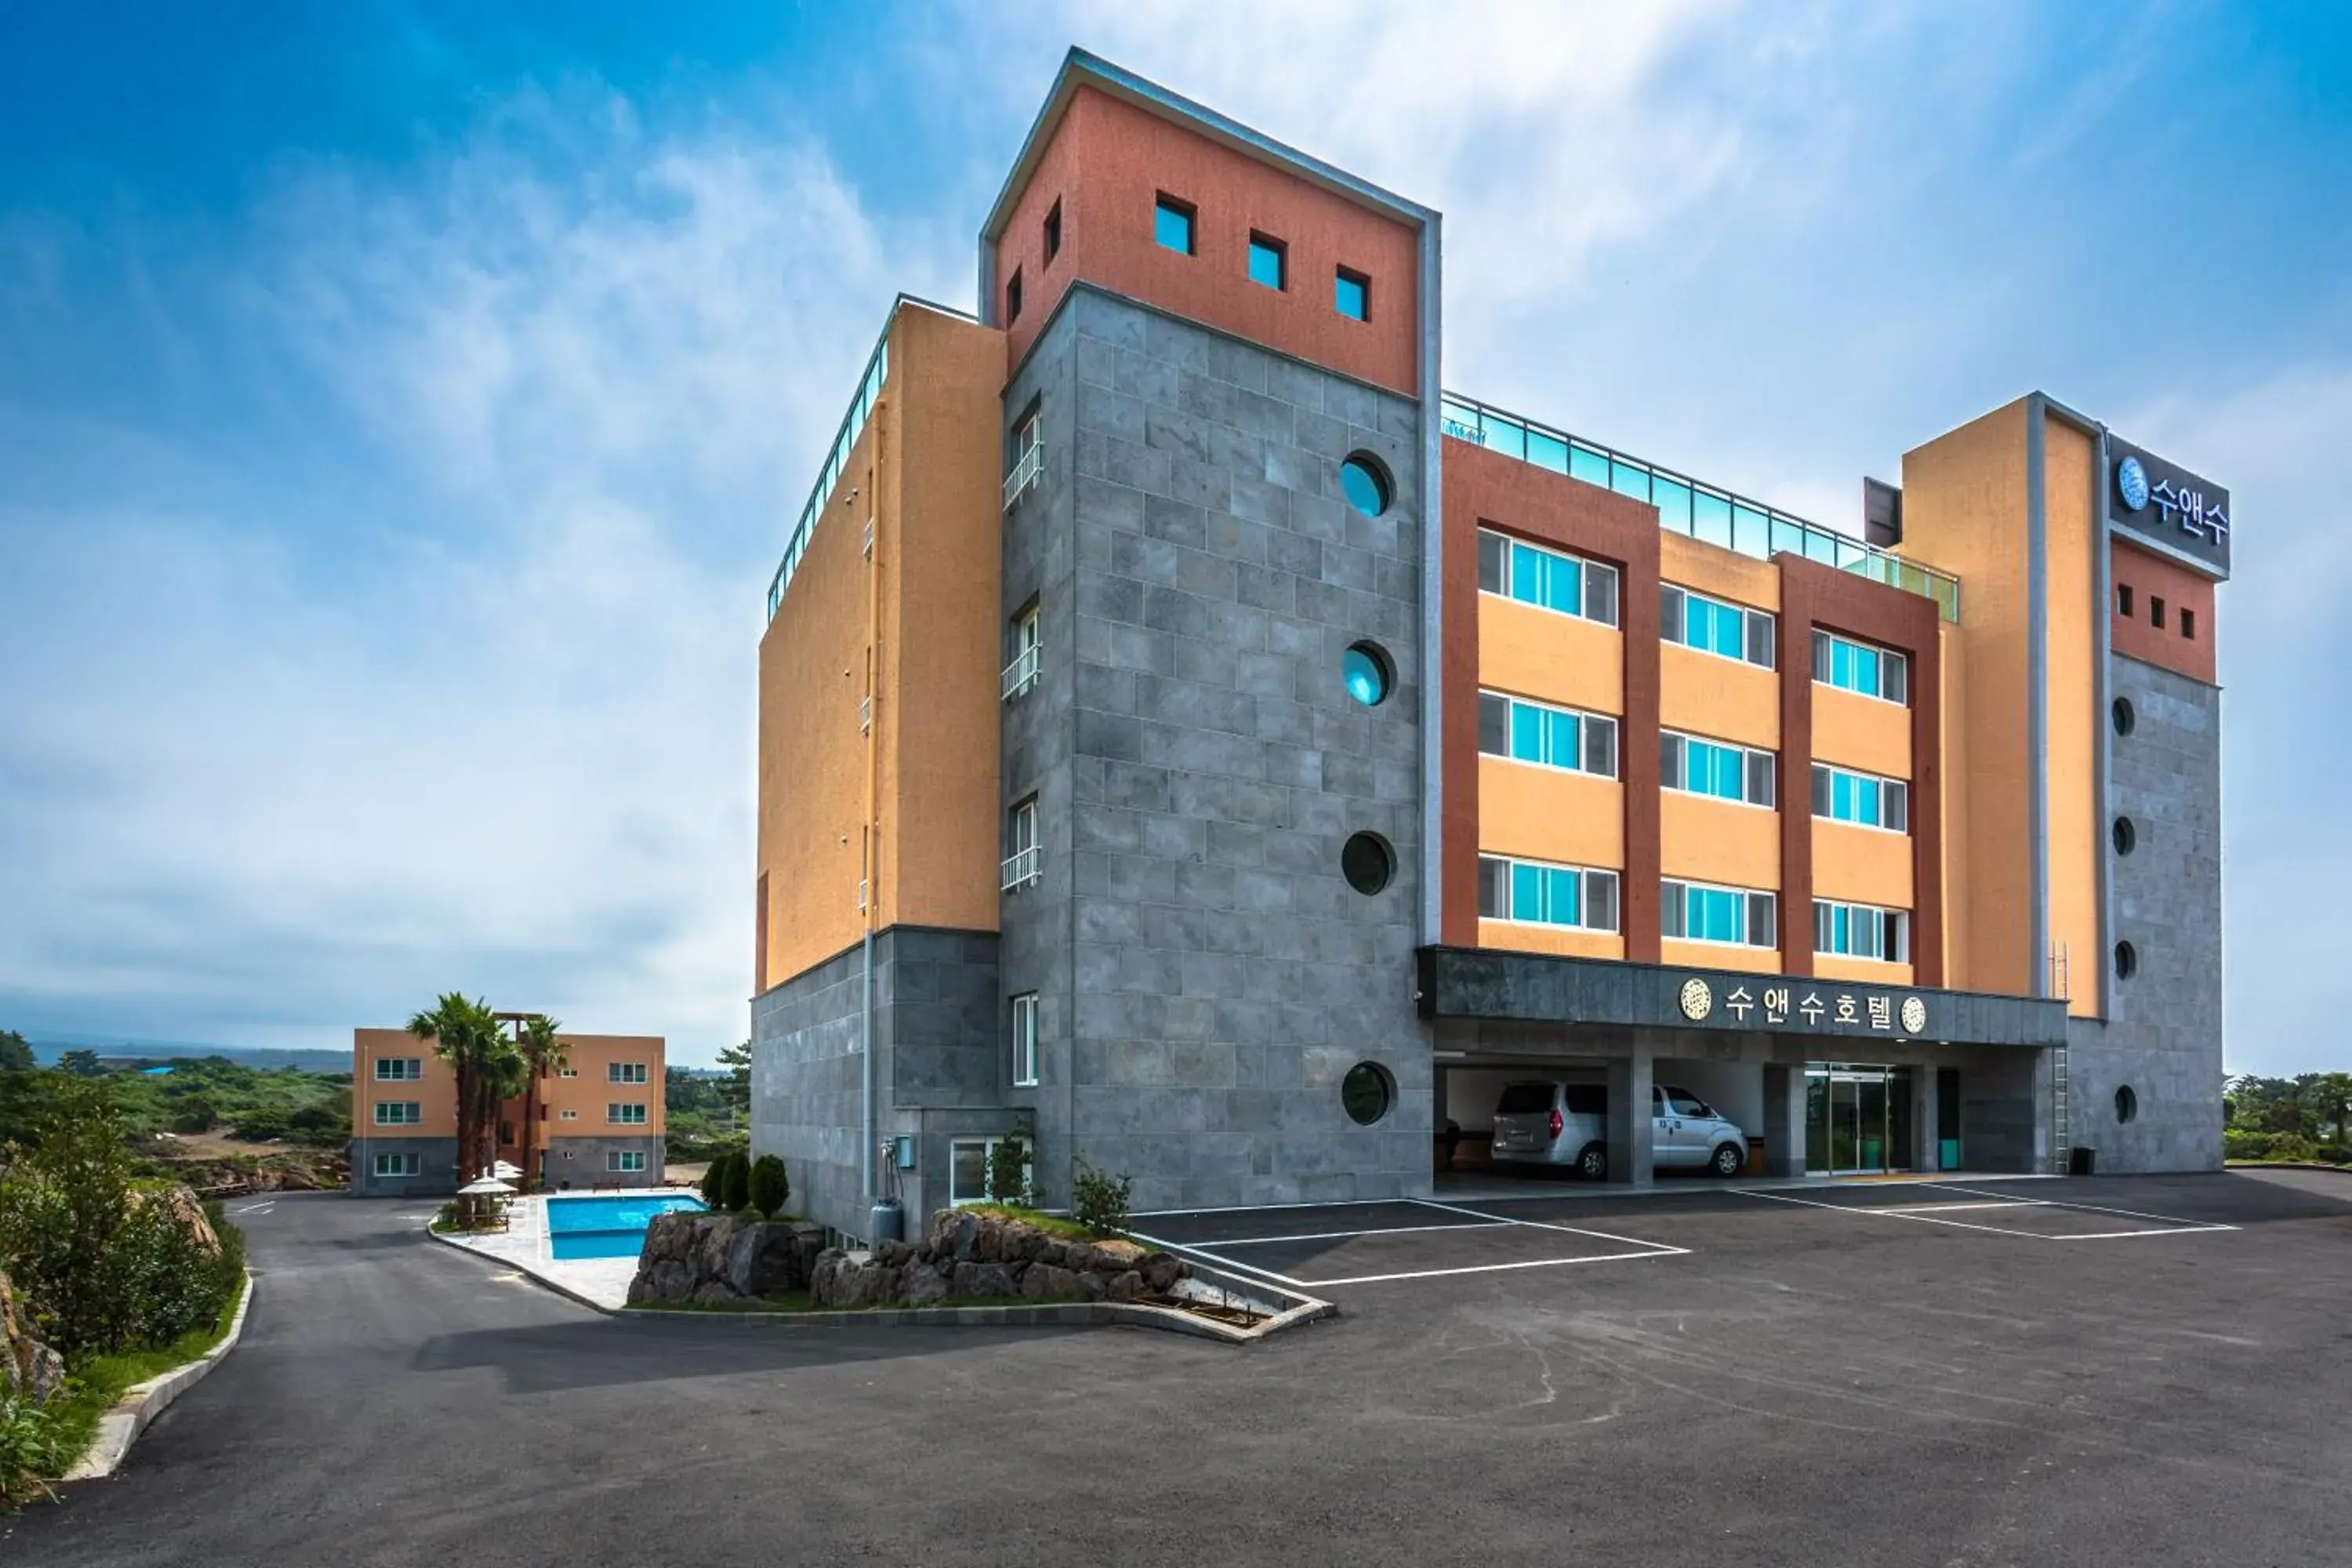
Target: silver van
point(1548, 1122)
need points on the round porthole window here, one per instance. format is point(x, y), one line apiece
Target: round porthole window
point(2126, 836)
point(1368, 673)
point(1367, 862)
point(2124, 716)
point(2126, 1103)
point(1367, 1093)
point(2127, 960)
point(1366, 484)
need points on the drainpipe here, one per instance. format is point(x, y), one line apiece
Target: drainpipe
point(871, 1131)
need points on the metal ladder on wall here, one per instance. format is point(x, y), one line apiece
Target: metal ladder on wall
point(2062, 985)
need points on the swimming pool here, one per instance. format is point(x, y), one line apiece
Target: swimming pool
point(607, 1228)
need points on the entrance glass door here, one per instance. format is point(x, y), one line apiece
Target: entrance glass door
point(1857, 1118)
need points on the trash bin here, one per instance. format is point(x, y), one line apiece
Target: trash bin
point(2082, 1162)
point(1756, 1164)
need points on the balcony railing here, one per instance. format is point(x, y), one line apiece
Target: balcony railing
point(1691, 506)
point(1021, 868)
point(1028, 469)
point(1022, 673)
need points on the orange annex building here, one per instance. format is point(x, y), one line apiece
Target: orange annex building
point(1193, 741)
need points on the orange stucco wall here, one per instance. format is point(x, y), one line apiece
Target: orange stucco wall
point(1719, 699)
point(923, 614)
point(1550, 813)
point(1863, 971)
point(2135, 636)
point(1964, 511)
point(590, 1092)
point(1862, 733)
point(1720, 955)
point(2077, 836)
point(1107, 162)
point(1707, 840)
point(1565, 941)
point(1531, 652)
point(1718, 573)
point(1863, 865)
point(436, 1093)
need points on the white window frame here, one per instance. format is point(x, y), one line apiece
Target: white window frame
point(987, 1154)
point(1599, 570)
point(567, 1073)
point(411, 1112)
point(1024, 1040)
point(404, 1069)
point(627, 1072)
point(1829, 772)
point(1028, 465)
point(1021, 674)
point(624, 1162)
point(1878, 913)
point(1827, 641)
point(1583, 718)
point(1022, 865)
point(1671, 910)
point(1674, 627)
point(567, 1116)
point(1672, 777)
point(1590, 876)
point(615, 1113)
point(389, 1166)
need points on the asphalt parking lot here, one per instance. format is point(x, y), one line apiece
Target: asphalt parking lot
point(2124, 1370)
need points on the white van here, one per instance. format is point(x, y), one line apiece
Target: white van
point(1548, 1122)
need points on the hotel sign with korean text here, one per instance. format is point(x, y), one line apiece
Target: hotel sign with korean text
point(2168, 506)
point(1776, 1002)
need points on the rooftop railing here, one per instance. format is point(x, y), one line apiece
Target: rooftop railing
point(852, 425)
point(1691, 507)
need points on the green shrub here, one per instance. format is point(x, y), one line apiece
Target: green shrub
point(262, 1126)
point(735, 1190)
point(714, 1180)
point(195, 1114)
point(1098, 1200)
point(1008, 1172)
point(770, 1186)
point(31, 1446)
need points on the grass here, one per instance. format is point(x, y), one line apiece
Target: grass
point(790, 1303)
point(93, 1387)
point(1050, 1224)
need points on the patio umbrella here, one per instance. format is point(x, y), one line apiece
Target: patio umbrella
point(486, 1187)
point(506, 1171)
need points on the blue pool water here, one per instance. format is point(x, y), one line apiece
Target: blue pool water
point(606, 1228)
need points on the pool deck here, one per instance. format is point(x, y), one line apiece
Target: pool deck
point(601, 1282)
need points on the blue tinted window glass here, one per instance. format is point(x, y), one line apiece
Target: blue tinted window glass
point(1563, 590)
point(1559, 895)
point(1367, 682)
point(1865, 801)
point(1866, 672)
point(1563, 741)
point(1527, 575)
point(1526, 892)
point(1508, 437)
point(1674, 503)
point(1364, 487)
point(1527, 732)
point(1173, 227)
point(1265, 264)
point(1840, 928)
point(1348, 296)
point(1842, 797)
point(1630, 480)
point(1584, 463)
point(1841, 665)
point(1548, 451)
point(1731, 774)
point(1711, 518)
point(1722, 916)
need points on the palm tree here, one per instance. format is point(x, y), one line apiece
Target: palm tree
point(543, 1053)
point(466, 1035)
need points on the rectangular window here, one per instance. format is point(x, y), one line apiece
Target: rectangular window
point(1269, 262)
point(399, 1069)
point(626, 1114)
point(1024, 464)
point(1711, 767)
point(398, 1164)
point(1693, 911)
point(1053, 231)
point(1864, 799)
point(1013, 298)
point(1539, 894)
point(2187, 623)
point(568, 1116)
point(1351, 295)
point(2122, 600)
point(1549, 579)
point(1528, 731)
point(1172, 224)
point(1021, 670)
point(1713, 627)
point(2156, 612)
point(1857, 667)
point(624, 1159)
point(1861, 931)
point(968, 1173)
point(1021, 860)
point(1024, 1040)
point(398, 1113)
point(567, 1073)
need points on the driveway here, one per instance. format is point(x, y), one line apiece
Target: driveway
point(1756, 1382)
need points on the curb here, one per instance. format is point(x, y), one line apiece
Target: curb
point(1061, 1314)
point(140, 1403)
point(2284, 1165)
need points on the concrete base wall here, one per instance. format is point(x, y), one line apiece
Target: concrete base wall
point(436, 1167)
point(578, 1163)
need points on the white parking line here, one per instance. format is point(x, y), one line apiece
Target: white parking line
point(1941, 1208)
point(1342, 1234)
point(2171, 1226)
point(1543, 1225)
point(257, 1208)
point(2101, 1208)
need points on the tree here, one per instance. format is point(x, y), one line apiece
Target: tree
point(81, 1064)
point(735, 1187)
point(2326, 1098)
point(769, 1188)
point(466, 1035)
point(543, 1052)
point(739, 1058)
point(16, 1054)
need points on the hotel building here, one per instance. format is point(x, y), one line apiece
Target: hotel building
point(599, 1125)
point(1193, 739)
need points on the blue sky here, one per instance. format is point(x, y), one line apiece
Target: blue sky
point(402, 405)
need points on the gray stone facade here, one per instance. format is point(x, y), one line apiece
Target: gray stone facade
point(580, 1161)
point(939, 1050)
point(436, 1167)
point(2162, 1035)
point(1205, 975)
